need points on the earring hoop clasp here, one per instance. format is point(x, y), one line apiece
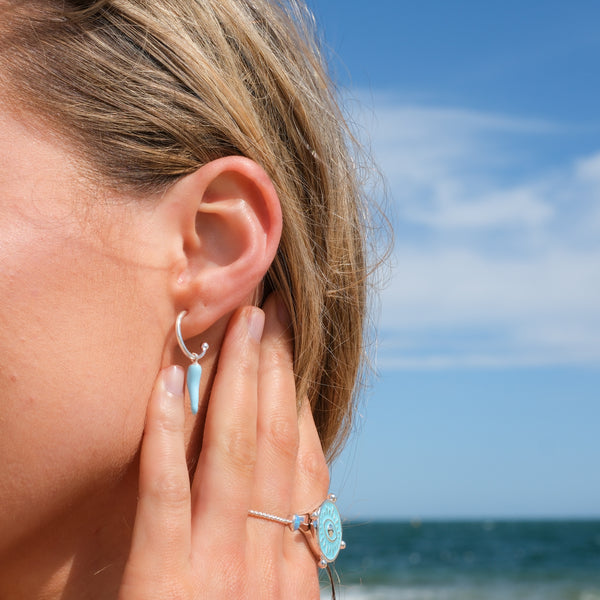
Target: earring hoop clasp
point(193, 356)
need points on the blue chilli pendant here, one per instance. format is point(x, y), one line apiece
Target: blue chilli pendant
point(194, 373)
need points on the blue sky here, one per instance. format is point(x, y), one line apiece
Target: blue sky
point(485, 119)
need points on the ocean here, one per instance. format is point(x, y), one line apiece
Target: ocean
point(474, 560)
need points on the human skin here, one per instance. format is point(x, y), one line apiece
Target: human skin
point(92, 281)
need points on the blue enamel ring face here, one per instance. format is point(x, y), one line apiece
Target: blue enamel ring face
point(329, 530)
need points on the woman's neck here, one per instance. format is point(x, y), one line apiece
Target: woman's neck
point(80, 555)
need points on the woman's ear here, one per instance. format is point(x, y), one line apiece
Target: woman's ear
point(228, 226)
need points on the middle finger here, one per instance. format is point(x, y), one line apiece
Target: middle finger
point(222, 486)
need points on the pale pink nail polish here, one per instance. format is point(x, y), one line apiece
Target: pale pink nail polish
point(173, 380)
point(256, 323)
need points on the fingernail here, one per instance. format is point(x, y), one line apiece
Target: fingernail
point(173, 380)
point(256, 323)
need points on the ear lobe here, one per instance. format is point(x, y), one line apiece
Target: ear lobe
point(230, 226)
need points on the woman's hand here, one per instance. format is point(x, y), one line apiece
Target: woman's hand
point(257, 453)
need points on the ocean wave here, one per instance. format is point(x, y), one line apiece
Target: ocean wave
point(381, 593)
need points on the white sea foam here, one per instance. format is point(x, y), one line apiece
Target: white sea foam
point(381, 593)
point(460, 592)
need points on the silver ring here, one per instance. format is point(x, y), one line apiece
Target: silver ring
point(322, 528)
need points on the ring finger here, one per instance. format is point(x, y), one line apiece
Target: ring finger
point(277, 429)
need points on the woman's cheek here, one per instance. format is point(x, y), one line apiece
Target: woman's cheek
point(79, 356)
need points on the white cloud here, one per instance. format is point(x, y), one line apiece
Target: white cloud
point(453, 208)
point(442, 165)
point(588, 169)
point(496, 264)
point(457, 307)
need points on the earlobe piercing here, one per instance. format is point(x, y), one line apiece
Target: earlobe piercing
point(194, 371)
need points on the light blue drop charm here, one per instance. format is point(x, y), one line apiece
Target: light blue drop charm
point(194, 370)
point(194, 373)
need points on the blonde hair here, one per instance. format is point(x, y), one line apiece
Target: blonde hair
point(149, 90)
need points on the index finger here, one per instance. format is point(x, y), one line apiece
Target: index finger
point(162, 521)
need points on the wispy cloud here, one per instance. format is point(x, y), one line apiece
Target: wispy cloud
point(498, 248)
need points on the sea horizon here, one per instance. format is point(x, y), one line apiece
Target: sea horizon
point(470, 559)
point(469, 519)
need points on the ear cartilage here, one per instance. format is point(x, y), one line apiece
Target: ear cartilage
point(194, 371)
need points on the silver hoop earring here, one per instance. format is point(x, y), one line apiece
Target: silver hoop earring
point(194, 371)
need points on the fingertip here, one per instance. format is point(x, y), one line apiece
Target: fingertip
point(256, 323)
point(166, 406)
point(172, 380)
